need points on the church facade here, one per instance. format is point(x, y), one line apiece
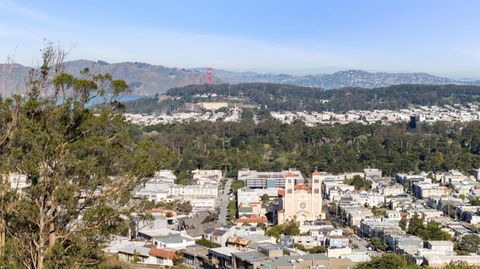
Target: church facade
point(301, 202)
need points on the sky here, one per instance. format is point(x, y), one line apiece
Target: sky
point(298, 36)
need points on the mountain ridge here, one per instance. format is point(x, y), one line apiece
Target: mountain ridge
point(149, 79)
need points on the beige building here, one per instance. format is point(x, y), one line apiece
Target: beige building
point(301, 202)
point(212, 105)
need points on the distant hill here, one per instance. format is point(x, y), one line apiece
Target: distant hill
point(149, 79)
point(284, 97)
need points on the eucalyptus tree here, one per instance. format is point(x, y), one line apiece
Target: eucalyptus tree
point(81, 163)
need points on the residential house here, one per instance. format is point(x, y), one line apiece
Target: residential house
point(173, 241)
point(148, 255)
point(217, 235)
point(222, 257)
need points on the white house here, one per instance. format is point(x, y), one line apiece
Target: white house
point(147, 255)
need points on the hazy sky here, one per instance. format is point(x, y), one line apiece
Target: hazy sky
point(436, 36)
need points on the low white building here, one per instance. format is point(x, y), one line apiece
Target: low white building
point(203, 177)
point(423, 190)
point(17, 181)
point(390, 189)
point(146, 255)
point(173, 241)
point(338, 252)
point(203, 203)
point(440, 245)
point(372, 173)
point(191, 191)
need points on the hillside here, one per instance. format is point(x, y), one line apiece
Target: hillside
point(284, 97)
point(146, 79)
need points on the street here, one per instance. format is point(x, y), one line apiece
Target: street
point(360, 243)
point(223, 201)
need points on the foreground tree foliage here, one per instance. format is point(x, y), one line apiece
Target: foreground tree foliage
point(80, 163)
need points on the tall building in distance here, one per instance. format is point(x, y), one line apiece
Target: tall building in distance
point(301, 202)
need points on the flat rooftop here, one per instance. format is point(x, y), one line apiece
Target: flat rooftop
point(250, 256)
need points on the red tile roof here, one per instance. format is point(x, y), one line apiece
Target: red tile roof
point(404, 214)
point(281, 192)
point(163, 253)
point(218, 232)
point(290, 174)
point(301, 187)
point(315, 173)
point(252, 220)
point(238, 240)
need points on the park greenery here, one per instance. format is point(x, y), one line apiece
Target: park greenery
point(284, 97)
point(271, 145)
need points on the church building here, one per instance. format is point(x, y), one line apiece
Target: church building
point(301, 202)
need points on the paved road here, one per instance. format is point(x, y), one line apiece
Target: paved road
point(361, 243)
point(223, 201)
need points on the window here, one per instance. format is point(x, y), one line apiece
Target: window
point(289, 191)
point(316, 191)
point(289, 181)
point(316, 181)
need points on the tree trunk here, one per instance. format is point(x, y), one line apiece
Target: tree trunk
point(41, 240)
point(3, 225)
point(2, 236)
point(52, 235)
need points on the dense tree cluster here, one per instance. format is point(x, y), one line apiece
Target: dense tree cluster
point(431, 231)
point(184, 207)
point(359, 183)
point(470, 243)
point(236, 184)
point(282, 97)
point(377, 243)
point(271, 145)
point(290, 228)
